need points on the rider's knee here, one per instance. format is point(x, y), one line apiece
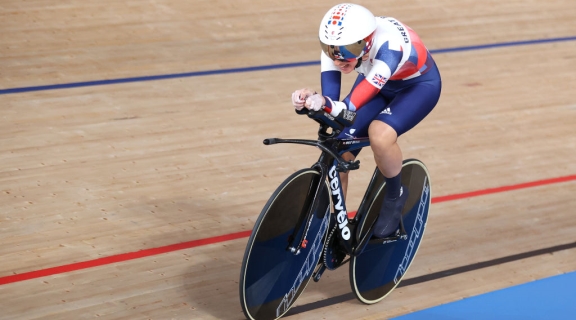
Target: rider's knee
point(348, 156)
point(381, 134)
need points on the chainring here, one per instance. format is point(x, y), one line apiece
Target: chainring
point(334, 254)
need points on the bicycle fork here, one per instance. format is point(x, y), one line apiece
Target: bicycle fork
point(298, 239)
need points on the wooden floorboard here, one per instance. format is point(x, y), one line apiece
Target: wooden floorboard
point(98, 171)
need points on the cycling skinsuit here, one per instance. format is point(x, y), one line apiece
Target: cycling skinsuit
point(399, 84)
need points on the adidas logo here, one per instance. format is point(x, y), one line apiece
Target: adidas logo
point(386, 111)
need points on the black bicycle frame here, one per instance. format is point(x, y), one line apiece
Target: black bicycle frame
point(329, 165)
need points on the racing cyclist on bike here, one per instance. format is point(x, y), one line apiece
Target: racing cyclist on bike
point(398, 85)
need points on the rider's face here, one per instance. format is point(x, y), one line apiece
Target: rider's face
point(346, 66)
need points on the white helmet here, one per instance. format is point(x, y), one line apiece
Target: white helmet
point(346, 31)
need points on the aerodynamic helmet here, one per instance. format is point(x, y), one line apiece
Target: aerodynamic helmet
point(346, 31)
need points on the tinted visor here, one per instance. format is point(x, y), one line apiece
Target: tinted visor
point(348, 52)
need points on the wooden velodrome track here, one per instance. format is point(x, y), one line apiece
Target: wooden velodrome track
point(106, 186)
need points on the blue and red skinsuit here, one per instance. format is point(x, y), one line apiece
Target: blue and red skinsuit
point(398, 84)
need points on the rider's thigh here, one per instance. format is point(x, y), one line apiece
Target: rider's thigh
point(410, 101)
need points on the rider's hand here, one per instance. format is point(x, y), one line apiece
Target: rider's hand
point(315, 102)
point(299, 97)
point(297, 101)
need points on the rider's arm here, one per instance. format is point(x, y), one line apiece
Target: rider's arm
point(330, 78)
point(385, 63)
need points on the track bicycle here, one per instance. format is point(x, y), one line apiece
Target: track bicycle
point(304, 228)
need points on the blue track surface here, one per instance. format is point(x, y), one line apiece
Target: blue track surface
point(549, 298)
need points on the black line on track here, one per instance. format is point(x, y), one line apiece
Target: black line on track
point(435, 276)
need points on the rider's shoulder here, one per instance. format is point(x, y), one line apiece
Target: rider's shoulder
point(389, 24)
point(390, 29)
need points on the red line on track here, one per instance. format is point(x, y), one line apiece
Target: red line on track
point(121, 257)
point(233, 236)
point(503, 189)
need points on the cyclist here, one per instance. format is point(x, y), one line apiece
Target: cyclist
point(398, 84)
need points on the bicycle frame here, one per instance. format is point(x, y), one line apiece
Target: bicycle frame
point(329, 165)
point(274, 273)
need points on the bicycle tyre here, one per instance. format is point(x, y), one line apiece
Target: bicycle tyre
point(272, 277)
point(380, 267)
